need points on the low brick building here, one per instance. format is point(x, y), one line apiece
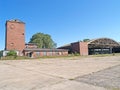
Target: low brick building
point(77, 47)
point(80, 47)
point(31, 45)
point(32, 52)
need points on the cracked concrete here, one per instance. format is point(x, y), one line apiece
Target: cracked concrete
point(52, 74)
point(108, 78)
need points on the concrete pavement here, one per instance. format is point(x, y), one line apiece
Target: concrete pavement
point(52, 74)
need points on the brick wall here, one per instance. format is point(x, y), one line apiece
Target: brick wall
point(35, 54)
point(15, 35)
point(80, 47)
point(83, 48)
point(75, 47)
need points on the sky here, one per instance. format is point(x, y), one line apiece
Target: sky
point(65, 20)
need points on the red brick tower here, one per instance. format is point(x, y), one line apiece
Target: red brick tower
point(15, 35)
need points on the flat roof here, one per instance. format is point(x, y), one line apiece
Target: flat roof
point(15, 20)
point(42, 49)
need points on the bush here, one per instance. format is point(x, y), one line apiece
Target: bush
point(76, 54)
point(12, 53)
point(1, 53)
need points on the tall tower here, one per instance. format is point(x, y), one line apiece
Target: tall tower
point(15, 35)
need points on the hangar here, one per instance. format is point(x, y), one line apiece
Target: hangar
point(103, 46)
point(95, 46)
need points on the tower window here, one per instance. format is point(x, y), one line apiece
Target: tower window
point(12, 44)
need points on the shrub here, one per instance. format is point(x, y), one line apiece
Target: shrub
point(12, 53)
point(76, 54)
point(1, 53)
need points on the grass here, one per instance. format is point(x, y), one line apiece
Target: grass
point(63, 57)
point(104, 55)
point(14, 58)
point(68, 57)
point(71, 79)
point(25, 57)
point(113, 88)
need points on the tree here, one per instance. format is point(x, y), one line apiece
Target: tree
point(43, 40)
point(86, 40)
point(1, 53)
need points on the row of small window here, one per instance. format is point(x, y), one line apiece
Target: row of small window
point(100, 50)
point(50, 53)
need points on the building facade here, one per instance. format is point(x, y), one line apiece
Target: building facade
point(15, 36)
point(32, 52)
point(103, 46)
point(15, 40)
point(79, 47)
point(76, 47)
point(95, 46)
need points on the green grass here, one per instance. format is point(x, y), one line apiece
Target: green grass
point(14, 58)
point(68, 57)
point(104, 55)
point(63, 57)
point(113, 88)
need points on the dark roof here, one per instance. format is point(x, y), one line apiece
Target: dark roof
point(47, 50)
point(67, 45)
point(30, 44)
point(103, 43)
point(105, 39)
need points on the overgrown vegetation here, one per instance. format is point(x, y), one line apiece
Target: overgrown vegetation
point(13, 58)
point(1, 54)
point(112, 88)
point(68, 57)
point(12, 53)
point(76, 54)
point(86, 40)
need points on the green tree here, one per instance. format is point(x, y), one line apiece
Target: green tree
point(1, 53)
point(43, 40)
point(86, 40)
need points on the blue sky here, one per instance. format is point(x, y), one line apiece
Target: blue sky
point(65, 20)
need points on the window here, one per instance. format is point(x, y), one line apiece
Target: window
point(37, 53)
point(50, 53)
point(45, 53)
point(12, 44)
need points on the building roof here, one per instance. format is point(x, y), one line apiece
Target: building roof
point(47, 50)
point(30, 44)
point(15, 20)
point(67, 45)
point(106, 42)
point(99, 42)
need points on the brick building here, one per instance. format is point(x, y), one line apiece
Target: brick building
point(15, 40)
point(80, 47)
point(15, 36)
point(77, 47)
point(95, 46)
point(32, 52)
